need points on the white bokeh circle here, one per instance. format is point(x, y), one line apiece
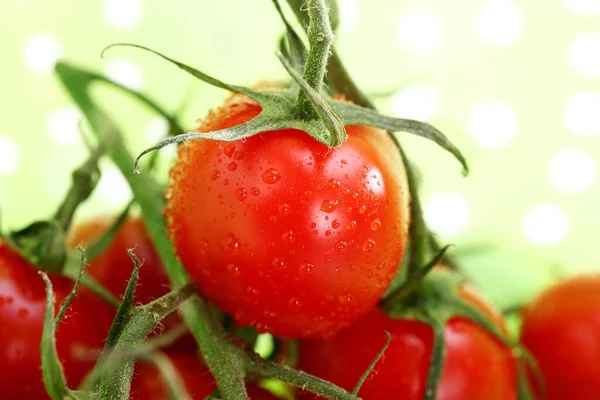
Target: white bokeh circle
point(123, 14)
point(499, 22)
point(9, 155)
point(63, 126)
point(125, 73)
point(447, 213)
point(581, 113)
point(420, 31)
point(584, 54)
point(545, 225)
point(572, 171)
point(415, 102)
point(41, 52)
point(493, 124)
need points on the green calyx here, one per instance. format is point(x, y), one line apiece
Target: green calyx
point(279, 111)
point(437, 300)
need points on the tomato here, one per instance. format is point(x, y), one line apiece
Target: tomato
point(113, 267)
point(477, 365)
point(22, 303)
point(562, 330)
point(147, 383)
point(286, 234)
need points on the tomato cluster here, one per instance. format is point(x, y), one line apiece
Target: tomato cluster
point(300, 240)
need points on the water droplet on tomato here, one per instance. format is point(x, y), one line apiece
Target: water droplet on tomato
point(233, 270)
point(351, 225)
point(340, 245)
point(306, 268)
point(328, 232)
point(369, 273)
point(352, 267)
point(203, 243)
point(329, 206)
point(279, 262)
point(362, 209)
point(226, 182)
point(254, 191)
point(271, 176)
point(289, 236)
point(335, 224)
point(344, 161)
point(239, 155)
point(283, 208)
point(232, 166)
point(232, 243)
point(229, 150)
point(368, 245)
point(346, 299)
point(375, 224)
point(205, 273)
point(215, 175)
point(295, 303)
point(23, 313)
point(241, 194)
point(333, 183)
point(381, 265)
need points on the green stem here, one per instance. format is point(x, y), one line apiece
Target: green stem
point(116, 383)
point(84, 179)
point(320, 39)
point(299, 379)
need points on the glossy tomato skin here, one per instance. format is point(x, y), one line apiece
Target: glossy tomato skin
point(147, 383)
point(113, 268)
point(477, 366)
point(561, 328)
point(22, 302)
point(284, 233)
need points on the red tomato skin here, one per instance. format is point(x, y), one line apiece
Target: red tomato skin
point(22, 302)
point(561, 328)
point(147, 383)
point(286, 234)
point(112, 269)
point(477, 366)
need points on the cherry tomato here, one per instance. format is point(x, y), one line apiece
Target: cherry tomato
point(113, 268)
point(561, 328)
point(477, 365)
point(22, 303)
point(147, 383)
point(286, 234)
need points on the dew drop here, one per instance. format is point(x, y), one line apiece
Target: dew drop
point(329, 206)
point(254, 191)
point(351, 225)
point(233, 214)
point(279, 262)
point(328, 232)
point(241, 194)
point(239, 155)
point(226, 182)
point(232, 243)
point(352, 267)
point(205, 273)
point(381, 265)
point(233, 270)
point(344, 162)
point(23, 312)
point(271, 176)
point(283, 208)
point(335, 224)
point(368, 245)
point(203, 243)
point(340, 245)
point(346, 299)
point(369, 273)
point(289, 236)
point(313, 225)
point(229, 150)
point(333, 183)
point(295, 303)
point(362, 209)
point(232, 166)
point(375, 224)
point(215, 175)
point(306, 268)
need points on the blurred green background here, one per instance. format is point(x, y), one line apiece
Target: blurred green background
point(515, 84)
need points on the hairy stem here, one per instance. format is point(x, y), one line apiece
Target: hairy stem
point(320, 39)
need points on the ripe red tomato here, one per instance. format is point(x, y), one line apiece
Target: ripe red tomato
point(147, 382)
point(284, 233)
point(477, 365)
point(562, 330)
point(22, 302)
point(113, 268)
